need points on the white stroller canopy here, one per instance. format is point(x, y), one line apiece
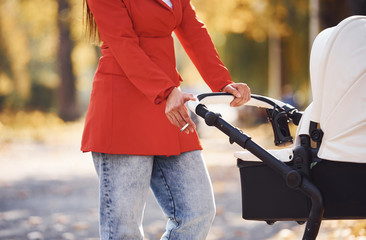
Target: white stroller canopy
point(338, 79)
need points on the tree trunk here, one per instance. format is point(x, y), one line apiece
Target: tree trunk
point(274, 64)
point(67, 100)
point(314, 21)
point(357, 7)
point(14, 42)
point(333, 11)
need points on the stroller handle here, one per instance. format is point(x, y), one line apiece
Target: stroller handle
point(226, 98)
point(255, 101)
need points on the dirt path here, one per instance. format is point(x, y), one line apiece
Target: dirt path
point(49, 191)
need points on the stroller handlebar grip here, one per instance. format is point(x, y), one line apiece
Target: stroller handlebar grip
point(210, 98)
point(215, 98)
point(255, 101)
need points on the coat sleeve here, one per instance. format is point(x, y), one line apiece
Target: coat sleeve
point(198, 44)
point(116, 30)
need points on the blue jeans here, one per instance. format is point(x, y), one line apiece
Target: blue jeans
point(180, 184)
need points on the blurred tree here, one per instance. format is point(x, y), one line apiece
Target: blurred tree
point(40, 19)
point(334, 11)
point(38, 58)
point(279, 27)
point(6, 86)
point(14, 41)
point(357, 7)
point(246, 60)
point(254, 18)
point(42, 52)
point(331, 12)
point(68, 109)
point(282, 26)
point(314, 25)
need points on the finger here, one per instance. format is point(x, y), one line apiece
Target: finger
point(237, 102)
point(178, 117)
point(245, 93)
point(174, 116)
point(231, 89)
point(178, 114)
point(248, 96)
point(187, 119)
point(180, 120)
point(187, 97)
point(173, 120)
point(238, 97)
point(240, 101)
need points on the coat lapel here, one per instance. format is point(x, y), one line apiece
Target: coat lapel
point(175, 9)
point(166, 5)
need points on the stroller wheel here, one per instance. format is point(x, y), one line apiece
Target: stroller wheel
point(270, 222)
point(300, 222)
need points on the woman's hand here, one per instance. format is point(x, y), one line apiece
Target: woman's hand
point(176, 111)
point(241, 92)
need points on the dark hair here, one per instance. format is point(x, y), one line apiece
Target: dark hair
point(90, 25)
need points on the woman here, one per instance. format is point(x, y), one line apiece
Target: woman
point(136, 112)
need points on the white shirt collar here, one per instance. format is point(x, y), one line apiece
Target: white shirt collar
point(169, 3)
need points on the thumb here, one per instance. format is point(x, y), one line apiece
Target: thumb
point(232, 90)
point(187, 97)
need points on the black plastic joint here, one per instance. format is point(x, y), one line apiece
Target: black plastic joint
point(293, 179)
point(317, 135)
point(211, 118)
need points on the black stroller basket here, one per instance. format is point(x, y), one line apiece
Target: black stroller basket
point(305, 189)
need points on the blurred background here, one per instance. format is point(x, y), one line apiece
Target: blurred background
point(46, 64)
point(48, 191)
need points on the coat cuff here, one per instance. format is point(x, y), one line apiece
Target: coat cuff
point(159, 99)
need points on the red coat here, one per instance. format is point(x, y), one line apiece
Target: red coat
point(126, 113)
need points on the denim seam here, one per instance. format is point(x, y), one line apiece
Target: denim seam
point(170, 196)
point(107, 201)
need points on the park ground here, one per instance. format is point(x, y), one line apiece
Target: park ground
point(49, 188)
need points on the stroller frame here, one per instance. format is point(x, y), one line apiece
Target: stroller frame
point(296, 176)
point(292, 177)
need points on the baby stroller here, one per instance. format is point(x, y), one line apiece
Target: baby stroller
point(323, 176)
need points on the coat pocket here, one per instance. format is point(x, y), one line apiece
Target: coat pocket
point(109, 65)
